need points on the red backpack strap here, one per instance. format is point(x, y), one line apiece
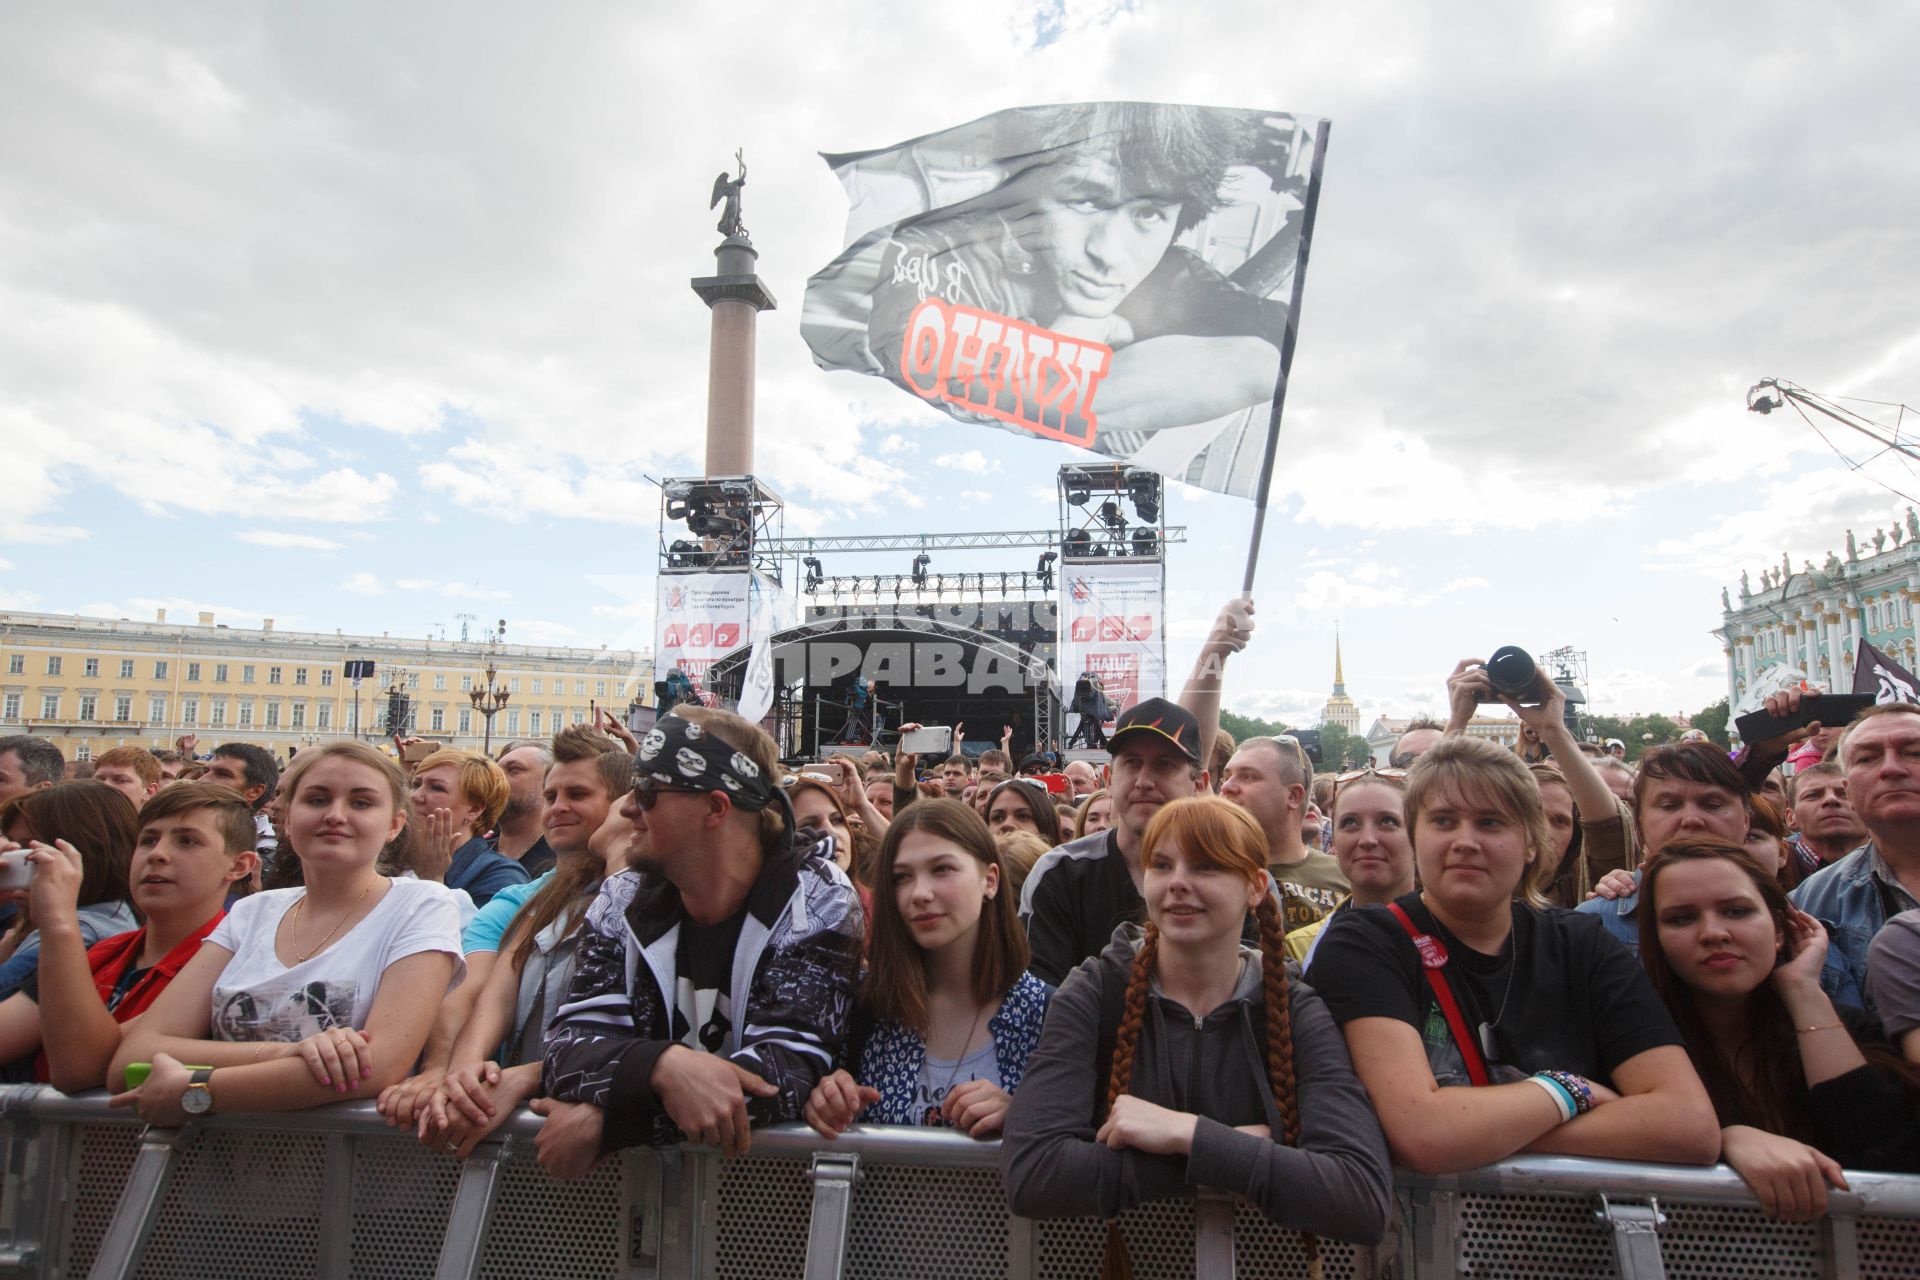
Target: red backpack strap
point(1433, 962)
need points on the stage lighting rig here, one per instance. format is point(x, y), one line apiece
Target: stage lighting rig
point(1045, 568)
point(815, 573)
point(1144, 488)
point(920, 563)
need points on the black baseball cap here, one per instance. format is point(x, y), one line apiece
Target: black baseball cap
point(1168, 721)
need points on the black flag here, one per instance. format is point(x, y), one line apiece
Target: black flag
point(1875, 673)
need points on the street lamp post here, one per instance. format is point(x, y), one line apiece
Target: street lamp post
point(488, 701)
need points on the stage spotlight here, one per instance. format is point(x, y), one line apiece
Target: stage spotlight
point(1144, 488)
point(1078, 542)
point(1045, 569)
point(815, 574)
point(920, 563)
point(1110, 515)
point(1077, 489)
point(1145, 542)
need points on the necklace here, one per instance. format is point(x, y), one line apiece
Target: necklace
point(933, 1116)
point(1489, 1045)
point(336, 924)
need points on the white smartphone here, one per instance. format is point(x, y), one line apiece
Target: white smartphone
point(928, 741)
point(15, 871)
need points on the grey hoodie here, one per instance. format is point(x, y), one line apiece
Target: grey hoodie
point(1336, 1183)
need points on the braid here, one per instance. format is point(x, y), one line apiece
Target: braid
point(1116, 1262)
point(1127, 1038)
point(1273, 979)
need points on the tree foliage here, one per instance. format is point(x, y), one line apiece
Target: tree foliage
point(1244, 727)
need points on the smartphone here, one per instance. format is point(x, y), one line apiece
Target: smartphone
point(415, 752)
point(15, 871)
point(928, 741)
point(1832, 710)
point(137, 1073)
point(1055, 783)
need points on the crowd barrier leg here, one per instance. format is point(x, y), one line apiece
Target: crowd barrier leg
point(1840, 1247)
point(33, 1202)
point(1212, 1235)
point(833, 1176)
point(336, 1198)
point(473, 1199)
point(133, 1221)
point(1636, 1238)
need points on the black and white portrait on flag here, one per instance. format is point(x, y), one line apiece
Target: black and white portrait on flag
point(1113, 275)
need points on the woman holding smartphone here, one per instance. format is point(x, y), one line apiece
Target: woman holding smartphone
point(1739, 967)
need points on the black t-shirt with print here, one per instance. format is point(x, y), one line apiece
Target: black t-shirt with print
point(1579, 1001)
point(703, 1000)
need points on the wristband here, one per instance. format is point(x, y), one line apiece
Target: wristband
point(1577, 1088)
point(1558, 1092)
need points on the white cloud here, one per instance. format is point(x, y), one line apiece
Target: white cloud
point(971, 461)
point(452, 590)
point(279, 538)
point(893, 442)
point(1368, 584)
point(363, 584)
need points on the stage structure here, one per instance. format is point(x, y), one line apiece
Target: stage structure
point(982, 646)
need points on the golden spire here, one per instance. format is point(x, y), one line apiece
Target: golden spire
point(1339, 677)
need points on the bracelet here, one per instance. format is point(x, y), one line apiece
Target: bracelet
point(1558, 1092)
point(1576, 1086)
point(1824, 1026)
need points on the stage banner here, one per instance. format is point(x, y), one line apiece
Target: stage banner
point(1111, 625)
point(701, 618)
point(1115, 275)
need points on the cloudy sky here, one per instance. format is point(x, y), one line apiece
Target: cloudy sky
point(367, 316)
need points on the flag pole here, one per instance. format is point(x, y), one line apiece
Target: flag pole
point(1286, 355)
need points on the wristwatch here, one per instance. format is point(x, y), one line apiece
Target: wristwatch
point(198, 1099)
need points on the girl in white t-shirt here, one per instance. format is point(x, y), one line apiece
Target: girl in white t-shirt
point(314, 994)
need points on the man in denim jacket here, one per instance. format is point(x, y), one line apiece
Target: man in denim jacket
point(1880, 752)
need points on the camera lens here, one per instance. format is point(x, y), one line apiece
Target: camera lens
point(1511, 671)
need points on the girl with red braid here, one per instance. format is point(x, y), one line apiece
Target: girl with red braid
point(1225, 1071)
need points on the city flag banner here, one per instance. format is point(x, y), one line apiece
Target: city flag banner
point(1112, 627)
point(701, 618)
point(1120, 276)
point(1875, 673)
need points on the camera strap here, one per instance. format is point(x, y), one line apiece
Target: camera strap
point(1433, 962)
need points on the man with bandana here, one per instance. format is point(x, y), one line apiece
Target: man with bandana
point(715, 979)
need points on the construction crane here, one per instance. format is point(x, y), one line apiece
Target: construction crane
point(1776, 393)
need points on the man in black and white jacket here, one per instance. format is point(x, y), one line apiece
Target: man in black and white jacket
point(715, 980)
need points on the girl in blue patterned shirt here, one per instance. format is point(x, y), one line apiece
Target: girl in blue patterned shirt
point(948, 1012)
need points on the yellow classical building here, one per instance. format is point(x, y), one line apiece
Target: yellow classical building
point(90, 684)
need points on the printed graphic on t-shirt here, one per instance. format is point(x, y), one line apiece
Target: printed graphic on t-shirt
point(938, 1079)
point(1444, 1060)
point(282, 1013)
point(702, 1016)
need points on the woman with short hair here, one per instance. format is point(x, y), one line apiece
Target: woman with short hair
point(1484, 1024)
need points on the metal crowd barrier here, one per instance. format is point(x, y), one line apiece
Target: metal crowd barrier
point(333, 1192)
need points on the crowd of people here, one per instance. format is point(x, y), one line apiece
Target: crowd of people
point(1195, 965)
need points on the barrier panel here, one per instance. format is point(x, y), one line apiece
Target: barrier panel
point(89, 1191)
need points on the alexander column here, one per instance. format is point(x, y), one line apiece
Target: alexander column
point(736, 297)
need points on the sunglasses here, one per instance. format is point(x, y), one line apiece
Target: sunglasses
point(648, 792)
point(1370, 772)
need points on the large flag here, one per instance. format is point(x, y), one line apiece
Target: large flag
point(1875, 673)
point(1121, 276)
